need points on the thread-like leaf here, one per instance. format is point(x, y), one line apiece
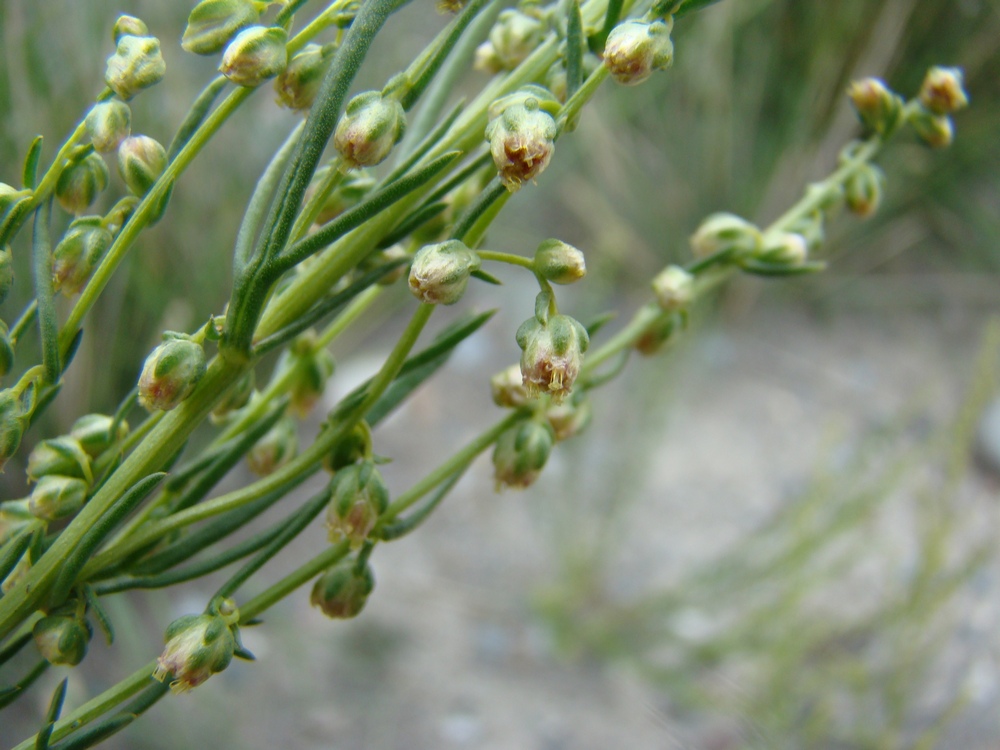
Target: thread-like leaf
point(48, 326)
point(30, 172)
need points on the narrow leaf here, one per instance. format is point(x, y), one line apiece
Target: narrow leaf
point(30, 172)
point(41, 250)
point(55, 708)
point(100, 614)
point(97, 733)
point(763, 268)
point(487, 277)
point(13, 550)
point(574, 47)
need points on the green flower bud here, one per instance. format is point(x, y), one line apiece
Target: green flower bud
point(520, 454)
point(62, 456)
point(724, 232)
point(276, 448)
point(877, 106)
point(6, 350)
point(255, 55)
point(14, 516)
point(371, 125)
point(56, 497)
point(78, 253)
point(299, 83)
point(937, 131)
point(313, 367)
point(658, 334)
point(514, 36)
point(358, 497)
point(789, 248)
point(213, 24)
point(136, 65)
point(342, 591)
point(81, 182)
point(569, 418)
point(357, 445)
point(108, 124)
point(508, 390)
point(236, 397)
point(93, 433)
point(942, 91)
point(62, 639)
point(635, 49)
point(16, 407)
point(197, 647)
point(552, 352)
point(141, 161)
point(863, 190)
point(674, 288)
point(170, 373)
point(440, 273)
point(6, 271)
point(487, 59)
point(120, 213)
point(128, 26)
point(559, 263)
point(522, 140)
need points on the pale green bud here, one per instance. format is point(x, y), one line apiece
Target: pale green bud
point(520, 454)
point(299, 83)
point(487, 59)
point(14, 516)
point(255, 55)
point(863, 190)
point(789, 248)
point(440, 273)
point(358, 496)
point(559, 263)
point(658, 334)
point(236, 397)
point(81, 182)
point(276, 448)
point(78, 253)
point(197, 646)
point(507, 388)
point(6, 271)
point(313, 367)
point(635, 49)
point(128, 26)
point(93, 432)
point(569, 418)
point(62, 639)
point(108, 124)
point(171, 373)
point(674, 288)
point(342, 591)
point(937, 131)
point(212, 24)
point(514, 36)
point(552, 352)
point(141, 161)
point(723, 232)
point(63, 456)
point(136, 65)
point(942, 91)
point(878, 107)
point(371, 125)
point(357, 445)
point(15, 414)
point(56, 497)
point(522, 141)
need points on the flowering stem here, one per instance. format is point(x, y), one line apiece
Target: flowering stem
point(510, 258)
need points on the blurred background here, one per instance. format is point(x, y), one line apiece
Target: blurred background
point(779, 535)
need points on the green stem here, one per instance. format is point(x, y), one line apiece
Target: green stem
point(275, 593)
point(510, 258)
point(24, 322)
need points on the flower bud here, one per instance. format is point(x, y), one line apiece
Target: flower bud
point(522, 140)
point(255, 55)
point(552, 352)
point(508, 390)
point(136, 65)
point(358, 497)
point(78, 253)
point(658, 334)
point(371, 125)
point(93, 433)
point(63, 456)
point(14, 516)
point(942, 91)
point(213, 23)
point(724, 232)
point(170, 373)
point(141, 161)
point(108, 124)
point(342, 591)
point(62, 639)
point(937, 131)
point(81, 182)
point(863, 190)
point(128, 26)
point(6, 350)
point(877, 106)
point(635, 49)
point(15, 414)
point(487, 59)
point(313, 367)
point(559, 263)
point(520, 454)
point(299, 83)
point(811, 229)
point(440, 273)
point(235, 398)
point(357, 445)
point(569, 418)
point(514, 36)
point(6, 272)
point(197, 647)
point(788, 248)
point(56, 497)
point(276, 448)
point(674, 288)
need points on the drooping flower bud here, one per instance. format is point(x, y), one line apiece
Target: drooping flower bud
point(14, 516)
point(674, 288)
point(358, 497)
point(788, 248)
point(94, 433)
point(236, 397)
point(213, 23)
point(942, 91)
point(128, 26)
point(276, 448)
point(141, 161)
point(863, 190)
point(569, 418)
point(56, 497)
point(313, 367)
point(559, 263)
point(299, 83)
point(136, 65)
point(343, 590)
point(723, 232)
point(62, 456)
point(440, 273)
point(6, 350)
point(16, 406)
point(514, 36)
point(257, 54)
point(520, 454)
point(635, 49)
point(522, 141)
point(170, 373)
point(658, 334)
point(371, 125)
point(62, 639)
point(937, 131)
point(108, 124)
point(6, 272)
point(552, 352)
point(197, 647)
point(78, 253)
point(877, 106)
point(356, 446)
point(81, 182)
point(508, 390)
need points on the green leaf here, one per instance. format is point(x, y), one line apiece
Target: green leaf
point(41, 252)
point(574, 47)
point(13, 550)
point(30, 172)
point(100, 614)
point(97, 733)
point(596, 324)
point(763, 268)
point(487, 277)
point(55, 708)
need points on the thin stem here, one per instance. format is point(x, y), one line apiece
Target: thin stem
point(24, 322)
point(278, 591)
point(510, 258)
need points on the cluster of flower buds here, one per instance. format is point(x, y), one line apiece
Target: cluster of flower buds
point(343, 590)
point(514, 36)
point(552, 348)
point(635, 49)
point(276, 448)
point(62, 636)
point(198, 646)
point(81, 181)
point(440, 273)
point(521, 134)
point(941, 94)
point(373, 122)
point(358, 497)
point(171, 372)
point(137, 63)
